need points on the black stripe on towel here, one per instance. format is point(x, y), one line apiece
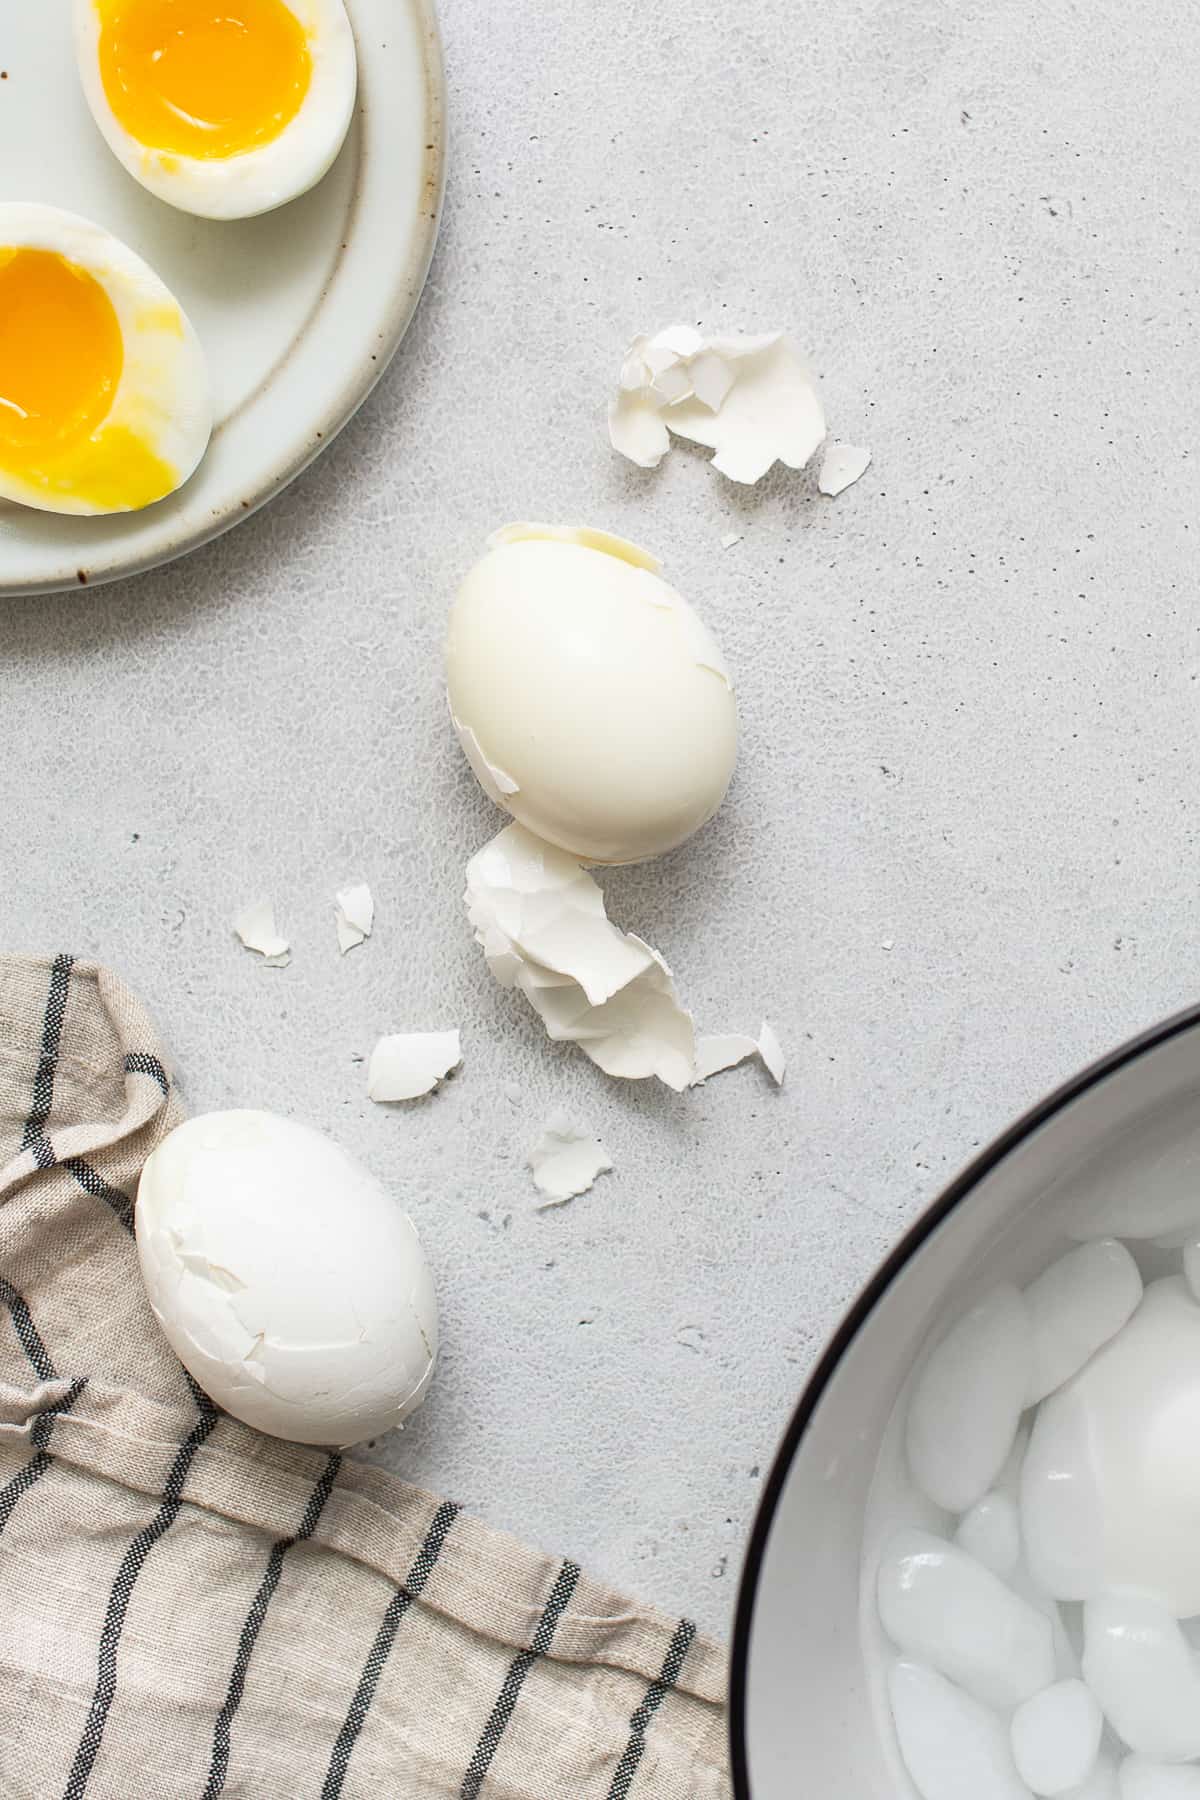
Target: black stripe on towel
point(223, 1730)
point(514, 1681)
point(652, 1699)
point(132, 1564)
point(41, 1461)
point(94, 1184)
point(27, 1333)
point(395, 1610)
point(34, 1137)
point(139, 1062)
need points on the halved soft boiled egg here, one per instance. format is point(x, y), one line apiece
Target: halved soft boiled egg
point(225, 108)
point(104, 392)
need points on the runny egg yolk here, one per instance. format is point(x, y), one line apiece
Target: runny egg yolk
point(61, 354)
point(203, 78)
point(61, 357)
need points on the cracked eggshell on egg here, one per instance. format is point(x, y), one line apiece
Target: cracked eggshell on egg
point(575, 669)
point(286, 1278)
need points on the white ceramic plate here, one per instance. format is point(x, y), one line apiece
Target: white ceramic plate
point(298, 311)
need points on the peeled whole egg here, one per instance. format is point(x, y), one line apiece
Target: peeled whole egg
point(589, 698)
point(286, 1278)
point(226, 108)
point(104, 392)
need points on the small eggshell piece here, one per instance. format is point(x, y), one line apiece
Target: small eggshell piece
point(566, 1160)
point(411, 1063)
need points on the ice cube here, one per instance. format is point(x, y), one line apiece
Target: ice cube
point(1055, 1738)
point(991, 1533)
point(939, 1605)
point(1144, 1673)
point(1191, 1266)
point(1076, 1305)
point(968, 1400)
point(1141, 1779)
point(952, 1746)
point(1110, 1487)
point(1101, 1784)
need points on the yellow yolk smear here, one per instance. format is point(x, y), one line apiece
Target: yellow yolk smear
point(61, 356)
point(203, 78)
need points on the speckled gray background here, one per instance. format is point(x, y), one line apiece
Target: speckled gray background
point(960, 854)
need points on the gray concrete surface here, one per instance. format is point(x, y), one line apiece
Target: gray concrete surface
point(960, 854)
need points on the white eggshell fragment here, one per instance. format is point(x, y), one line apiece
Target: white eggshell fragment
point(566, 1160)
point(1144, 1674)
point(939, 1605)
point(1056, 1737)
point(841, 466)
point(953, 1747)
point(173, 146)
point(1077, 1304)
point(753, 400)
point(255, 926)
point(540, 921)
point(354, 916)
point(968, 1399)
point(411, 1063)
point(286, 1278)
point(1110, 1488)
point(589, 698)
point(726, 1050)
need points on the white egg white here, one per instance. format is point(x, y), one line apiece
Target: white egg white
point(163, 396)
point(287, 1279)
point(253, 181)
point(590, 699)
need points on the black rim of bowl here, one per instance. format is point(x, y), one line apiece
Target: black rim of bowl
point(851, 1324)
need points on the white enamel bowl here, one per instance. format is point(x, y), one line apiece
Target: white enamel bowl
point(805, 1716)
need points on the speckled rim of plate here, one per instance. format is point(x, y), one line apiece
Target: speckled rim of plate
point(185, 529)
point(853, 1321)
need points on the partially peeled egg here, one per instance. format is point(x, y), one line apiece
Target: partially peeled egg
point(104, 393)
point(591, 701)
point(225, 108)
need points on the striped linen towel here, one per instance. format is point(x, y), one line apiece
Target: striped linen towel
point(189, 1609)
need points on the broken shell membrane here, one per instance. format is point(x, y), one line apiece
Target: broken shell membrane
point(255, 926)
point(752, 400)
point(841, 466)
point(540, 920)
point(727, 1049)
point(566, 1161)
point(286, 1278)
point(411, 1063)
point(354, 916)
point(589, 698)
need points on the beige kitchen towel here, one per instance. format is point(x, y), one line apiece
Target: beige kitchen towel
point(189, 1609)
